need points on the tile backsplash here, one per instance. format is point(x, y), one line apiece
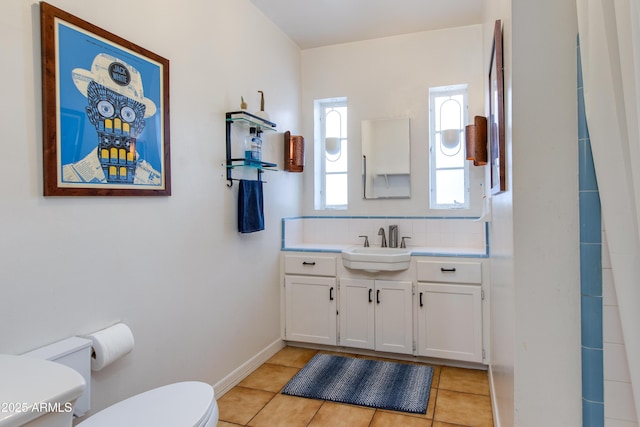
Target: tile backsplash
point(424, 232)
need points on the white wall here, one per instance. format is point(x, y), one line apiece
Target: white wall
point(534, 235)
point(389, 78)
point(546, 219)
point(501, 235)
point(200, 298)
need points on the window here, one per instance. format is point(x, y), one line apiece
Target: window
point(331, 130)
point(449, 170)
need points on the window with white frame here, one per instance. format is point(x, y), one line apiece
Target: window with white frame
point(331, 122)
point(449, 170)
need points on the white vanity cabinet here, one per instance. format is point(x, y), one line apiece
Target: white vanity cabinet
point(376, 315)
point(310, 298)
point(433, 309)
point(449, 306)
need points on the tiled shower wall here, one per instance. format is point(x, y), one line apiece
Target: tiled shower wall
point(619, 406)
point(607, 393)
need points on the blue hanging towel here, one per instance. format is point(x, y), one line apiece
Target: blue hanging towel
point(250, 206)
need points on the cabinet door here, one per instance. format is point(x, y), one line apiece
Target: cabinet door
point(394, 316)
point(357, 313)
point(310, 309)
point(450, 321)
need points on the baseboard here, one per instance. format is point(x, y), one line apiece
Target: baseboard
point(392, 356)
point(240, 373)
point(494, 406)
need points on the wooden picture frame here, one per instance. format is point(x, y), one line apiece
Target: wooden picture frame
point(496, 114)
point(105, 112)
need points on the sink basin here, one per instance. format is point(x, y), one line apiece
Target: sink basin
point(376, 259)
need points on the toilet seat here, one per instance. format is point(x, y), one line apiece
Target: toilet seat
point(185, 404)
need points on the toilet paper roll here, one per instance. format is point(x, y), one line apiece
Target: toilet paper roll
point(109, 345)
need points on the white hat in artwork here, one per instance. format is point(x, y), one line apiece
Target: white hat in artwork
point(116, 75)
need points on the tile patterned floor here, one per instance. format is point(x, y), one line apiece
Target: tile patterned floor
point(458, 398)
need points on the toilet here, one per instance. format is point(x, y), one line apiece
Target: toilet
point(57, 378)
point(36, 392)
point(185, 404)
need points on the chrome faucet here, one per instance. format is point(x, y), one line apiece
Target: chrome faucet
point(384, 239)
point(393, 236)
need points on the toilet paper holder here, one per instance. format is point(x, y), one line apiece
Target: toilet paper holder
point(109, 345)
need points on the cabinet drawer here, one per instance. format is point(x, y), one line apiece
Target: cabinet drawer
point(312, 265)
point(449, 272)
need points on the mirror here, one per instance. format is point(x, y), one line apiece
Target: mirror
point(386, 172)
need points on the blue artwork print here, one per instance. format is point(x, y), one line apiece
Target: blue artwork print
point(110, 113)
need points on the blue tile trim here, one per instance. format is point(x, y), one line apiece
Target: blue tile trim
point(590, 217)
point(582, 116)
point(587, 176)
point(591, 269)
point(294, 249)
point(592, 389)
point(590, 272)
point(591, 310)
point(579, 54)
point(486, 239)
point(592, 413)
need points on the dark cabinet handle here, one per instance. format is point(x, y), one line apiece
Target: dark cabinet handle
point(370, 290)
point(331, 294)
point(421, 299)
point(377, 296)
point(308, 263)
point(450, 270)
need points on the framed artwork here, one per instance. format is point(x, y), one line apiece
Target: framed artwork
point(496, 114)
point(105, 112)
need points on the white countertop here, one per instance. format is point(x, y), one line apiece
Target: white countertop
point(415, 250)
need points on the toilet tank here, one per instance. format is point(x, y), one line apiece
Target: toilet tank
point(74, 352)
